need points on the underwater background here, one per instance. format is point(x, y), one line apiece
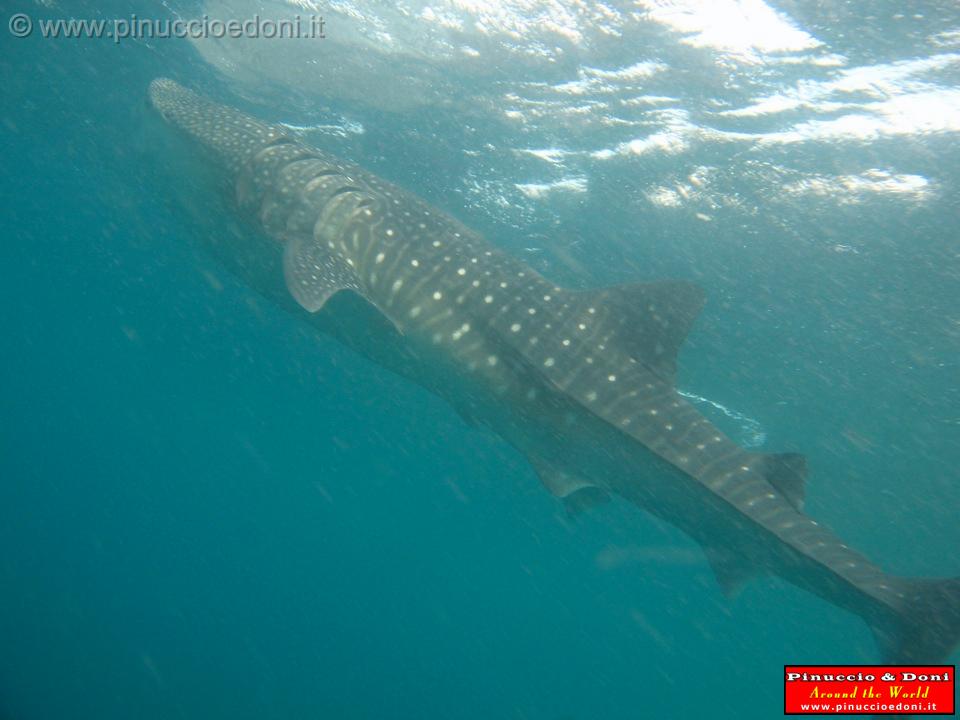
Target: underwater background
point(207, 510)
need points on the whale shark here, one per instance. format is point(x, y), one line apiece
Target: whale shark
point(581, 382)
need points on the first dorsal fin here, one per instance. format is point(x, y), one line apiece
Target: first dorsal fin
point(787, 473)
point(654, 319)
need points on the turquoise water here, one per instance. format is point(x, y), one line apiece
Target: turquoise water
point(209, 511)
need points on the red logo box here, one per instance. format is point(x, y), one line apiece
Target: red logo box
point(869, 689)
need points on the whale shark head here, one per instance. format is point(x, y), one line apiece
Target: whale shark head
point(231, 135)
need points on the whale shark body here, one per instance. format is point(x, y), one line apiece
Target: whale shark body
point(580, 382)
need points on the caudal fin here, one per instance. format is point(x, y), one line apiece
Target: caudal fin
point(927, 628)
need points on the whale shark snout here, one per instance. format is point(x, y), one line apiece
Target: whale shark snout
point(174, 102)
point(163, 90)
point(230, 134)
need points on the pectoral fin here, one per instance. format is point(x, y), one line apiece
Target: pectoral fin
point(314, 273)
